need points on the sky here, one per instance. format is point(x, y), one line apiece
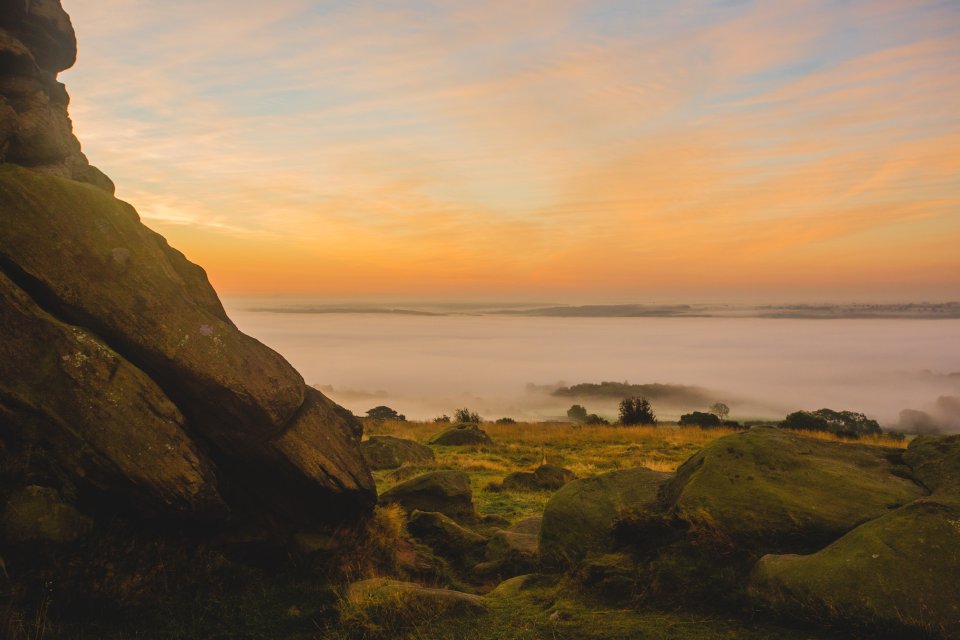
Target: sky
point(562, 150)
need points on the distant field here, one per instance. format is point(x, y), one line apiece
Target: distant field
point(585, 450)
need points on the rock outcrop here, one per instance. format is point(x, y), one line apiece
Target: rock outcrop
point(123, 383)
point(36, 43)
point(899, 570)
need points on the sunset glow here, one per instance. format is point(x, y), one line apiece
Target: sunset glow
point(563, 150)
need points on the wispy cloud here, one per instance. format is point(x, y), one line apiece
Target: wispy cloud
point(585, 148)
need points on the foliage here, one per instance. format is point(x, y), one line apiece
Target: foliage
point(506, 421)
point(384, 413)
point(840, 423)
point(673, 393)
point(466, 416)
point(577, 413)
point(636, 411)
point(700, 419)
point(442, 419)
point(720, 410)
point(594, 419)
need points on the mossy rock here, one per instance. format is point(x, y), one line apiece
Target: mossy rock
point(580, 517)
point(935, 462)
point(446, 538)
point(771, 489)
point(38, 513)
point(388, 452)
point(546, 477)
point(513, 551)
point(462, 435)
point(899, 571)
point(447, 492)
point(391, 607)
point(611, 576)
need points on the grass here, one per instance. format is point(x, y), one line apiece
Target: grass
point(585, 450)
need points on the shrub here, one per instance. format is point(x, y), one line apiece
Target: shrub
point(700, 419)
point(442, 419)
point(466, 416)
point(385, 413)
point(506, 421)
point(595, 420)
point(636, 411)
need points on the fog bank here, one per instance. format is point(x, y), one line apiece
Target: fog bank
point(425, 365)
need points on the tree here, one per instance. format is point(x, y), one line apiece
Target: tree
point(385, 413)
point(700, 419)
point(720, 410)
point(577, 413)
point(636, 411)
point(466, 416)
point(594, 419)
point(506, 421)
point(841, 423)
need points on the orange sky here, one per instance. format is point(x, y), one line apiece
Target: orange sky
point(563, 150)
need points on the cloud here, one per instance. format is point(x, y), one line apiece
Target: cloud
point(566, 146)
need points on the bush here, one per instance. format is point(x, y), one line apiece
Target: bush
point(636, 411)
point(841, 423)
point(577, 413)
point(466, 416)
point(595, 420)
point(700, 419)
point(385, 413)
point(506, 421)
point(442, 419)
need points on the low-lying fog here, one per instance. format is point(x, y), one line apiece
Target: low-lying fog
point(424, 366)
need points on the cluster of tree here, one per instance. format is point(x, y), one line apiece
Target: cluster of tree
point(579, 415)
point(636, 411)
point(385, 413)
point(672, 393)
point(506, 421)
point(842, 423)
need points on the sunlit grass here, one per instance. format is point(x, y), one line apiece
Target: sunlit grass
point(585, 450)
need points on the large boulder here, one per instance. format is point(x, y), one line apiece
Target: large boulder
point(462, 435)
point(447, 492)
point(898, 570)
point(121, 376)
point(85, 259)
point(66, 392)
point(388, 452)
point(770, 489)
point(580, 517)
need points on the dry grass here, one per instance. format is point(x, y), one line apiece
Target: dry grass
point(585, 450)
point(377, 552)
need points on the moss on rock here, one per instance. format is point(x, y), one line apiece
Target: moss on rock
point(580, 517)
point(447, 492)
point(387, 452)
point(39, 513)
